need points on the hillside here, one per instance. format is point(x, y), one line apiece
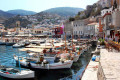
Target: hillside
point(11, 22)
point(64, 11)
point(21, 12)
point(47, 18)
point(5, 15)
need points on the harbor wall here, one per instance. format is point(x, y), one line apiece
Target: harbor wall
point(100, 73)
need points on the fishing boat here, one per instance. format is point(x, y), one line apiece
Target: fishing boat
point(48, 57)
point(44, 64)
point(16, 73)
point(12, 73)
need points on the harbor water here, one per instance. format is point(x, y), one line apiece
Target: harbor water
point(6, 58)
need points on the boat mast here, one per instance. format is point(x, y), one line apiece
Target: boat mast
point(72, 39)
point(65, 42)
point(19, 61)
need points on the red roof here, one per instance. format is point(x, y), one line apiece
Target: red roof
point(106, 14)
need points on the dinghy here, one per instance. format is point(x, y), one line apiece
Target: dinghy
point(9, 72)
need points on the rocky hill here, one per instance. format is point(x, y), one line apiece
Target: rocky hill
point(91, 11)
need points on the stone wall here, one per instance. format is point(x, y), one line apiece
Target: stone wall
point(100, 73)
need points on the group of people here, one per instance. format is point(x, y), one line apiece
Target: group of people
point(113, 39)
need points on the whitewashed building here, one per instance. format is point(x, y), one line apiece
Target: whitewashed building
point(104, 11)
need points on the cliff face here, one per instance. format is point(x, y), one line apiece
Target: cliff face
point(91, 10)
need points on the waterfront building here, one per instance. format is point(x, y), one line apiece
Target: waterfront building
point(37, 31)
point(11, 31)
point(107, 27)
point(68, 29)
point(78, 28)
point(57, 32)
point(110, 21)
point(91, 30)
point(116, 19)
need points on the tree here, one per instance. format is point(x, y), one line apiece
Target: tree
point(77, 17)
point(71, 19)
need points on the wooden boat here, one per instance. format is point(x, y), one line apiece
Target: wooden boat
point(43, 64)
point(9, 72)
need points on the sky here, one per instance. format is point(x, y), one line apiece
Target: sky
point(41, 5)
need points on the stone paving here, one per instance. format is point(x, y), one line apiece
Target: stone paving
point(91, 71)
point(110, 63)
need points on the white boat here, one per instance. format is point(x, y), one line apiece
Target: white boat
point(12, 73)
point(18, 45)
point(44, 64)
point(2, 43)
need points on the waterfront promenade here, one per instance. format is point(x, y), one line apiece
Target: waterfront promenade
point(109, 66)
point(91, 71)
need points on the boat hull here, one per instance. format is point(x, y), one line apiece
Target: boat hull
point(9, 44)
point(2, 43)
point(59, 65)
point(17, 76)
